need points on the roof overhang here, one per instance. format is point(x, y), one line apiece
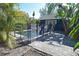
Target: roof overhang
point(47, 17)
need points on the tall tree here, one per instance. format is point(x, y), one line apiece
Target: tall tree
point(9, 17)
point(8, 23)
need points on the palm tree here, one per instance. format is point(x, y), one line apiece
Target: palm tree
point(74, 24)
point(33, 14)
point(62, 10)
point(9, 17)
point(72, 14)
point(7, 24)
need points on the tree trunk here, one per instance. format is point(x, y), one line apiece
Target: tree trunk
point(65, 29)
point(14, 33)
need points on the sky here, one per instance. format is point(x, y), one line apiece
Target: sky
point(30, 7)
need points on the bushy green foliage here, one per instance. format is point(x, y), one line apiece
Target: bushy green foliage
point(69, 12)
point(9, 16)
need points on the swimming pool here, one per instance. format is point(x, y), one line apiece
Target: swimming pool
point(29, 34)
point(53, 38)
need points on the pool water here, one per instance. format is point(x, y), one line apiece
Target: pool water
point(30, 34)
point(53, 38)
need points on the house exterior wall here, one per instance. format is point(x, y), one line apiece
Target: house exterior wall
point(57, 24)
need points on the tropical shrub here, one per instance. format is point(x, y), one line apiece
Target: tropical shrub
point(9, 16)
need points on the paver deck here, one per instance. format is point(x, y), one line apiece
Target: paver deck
point(54, 50)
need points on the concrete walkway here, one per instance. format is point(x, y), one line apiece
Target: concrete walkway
point(54, 50)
